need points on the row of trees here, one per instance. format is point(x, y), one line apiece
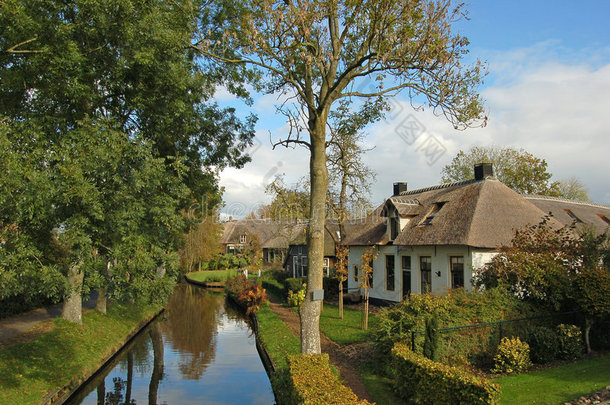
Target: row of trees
point(108, 129)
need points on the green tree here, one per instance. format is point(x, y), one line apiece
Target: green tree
point(325, 54)
point(517, 168)
point(288, 201)
point(573, 189)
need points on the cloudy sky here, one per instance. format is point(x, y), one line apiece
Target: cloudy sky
point(547, 91)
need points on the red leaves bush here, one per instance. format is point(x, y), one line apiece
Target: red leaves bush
point(250, 296)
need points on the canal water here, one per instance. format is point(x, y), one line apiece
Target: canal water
point(201, 350)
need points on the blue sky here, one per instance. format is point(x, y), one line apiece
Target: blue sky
point(547, 91)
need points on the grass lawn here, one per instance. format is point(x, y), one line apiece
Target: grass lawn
point(212, 275)
point(558, 384)
point(276, 337)
point(29, 371)
point(346, 330)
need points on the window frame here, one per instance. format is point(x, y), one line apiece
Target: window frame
point(389, 269)
point(453, 272)
point(428, 271)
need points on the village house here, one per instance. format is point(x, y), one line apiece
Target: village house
point(296, 264)
point(272, 236)
point(434, 239)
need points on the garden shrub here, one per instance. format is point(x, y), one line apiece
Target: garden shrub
point(312, 382)
point(431, 338)
point(544, 344)
point(422, 380)
point(295, 299)
point(273, 281)
point(570, 341)
point(513, 356)
point(246, 294)
point(294, 284)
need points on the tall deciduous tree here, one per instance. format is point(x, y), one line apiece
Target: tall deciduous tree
point(517, 168)
point(319, 53)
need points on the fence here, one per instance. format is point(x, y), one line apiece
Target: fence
point(476, 344)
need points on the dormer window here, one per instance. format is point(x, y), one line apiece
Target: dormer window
point(432, 214)
point(394, 228)
point(573, 216)
point(242, 238)
point(605, 219)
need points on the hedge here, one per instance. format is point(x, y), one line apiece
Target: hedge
point(424, 381)
point(312, 382)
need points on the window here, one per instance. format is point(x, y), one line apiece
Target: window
point(425, 267)
point(604, 218)
point(304, 264)
point(456, 264)
point(355, 273)
point(432, 214)
point(393, 228)
point(326, 266)
point(406, 262)
point(389, 273)
point(242, 238)
point(573, 216)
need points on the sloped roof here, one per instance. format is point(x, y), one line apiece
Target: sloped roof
point(481, 213)
point(272, 234)
point(589, 213)
point(366, 231)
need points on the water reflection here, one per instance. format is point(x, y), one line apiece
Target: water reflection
point(201, 351)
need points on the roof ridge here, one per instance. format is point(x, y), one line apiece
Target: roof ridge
point(439, 187)
point(562, 199)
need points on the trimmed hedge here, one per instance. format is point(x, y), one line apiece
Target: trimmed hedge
point(424, 381)
point(313, 382)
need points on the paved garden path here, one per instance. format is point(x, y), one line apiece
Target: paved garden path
point(24, 326)
point(347, 358)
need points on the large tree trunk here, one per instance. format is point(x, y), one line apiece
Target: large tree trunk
point(310, 310)
point(73, 304)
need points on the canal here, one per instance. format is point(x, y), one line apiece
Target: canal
point(200, 350)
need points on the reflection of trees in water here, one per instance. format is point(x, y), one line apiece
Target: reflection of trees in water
point(191, 326)
point(156, 338)
point(115, 397)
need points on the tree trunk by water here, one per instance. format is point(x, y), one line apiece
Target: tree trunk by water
point(157, 373)
point(310, 310)
point(73, 304)
point(129, 377)
point(588, 324)
point(101, 393)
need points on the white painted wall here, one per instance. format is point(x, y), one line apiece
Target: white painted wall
point(440, 259)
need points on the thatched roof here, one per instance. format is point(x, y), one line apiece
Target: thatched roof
point(370, 230)
point(583, 213)
point(272, 234)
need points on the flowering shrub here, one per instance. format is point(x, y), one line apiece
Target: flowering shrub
point(296, 299)
point(513, 356)
point(251, 296)
point(570, 341)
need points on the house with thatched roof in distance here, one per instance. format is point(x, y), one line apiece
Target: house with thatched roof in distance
point(434, 239)
point(272, 236)
point(296, 263)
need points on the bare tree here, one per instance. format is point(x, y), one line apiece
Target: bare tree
point(317, 53)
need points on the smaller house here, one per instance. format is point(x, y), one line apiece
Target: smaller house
point(296, 263)
point(271, 236)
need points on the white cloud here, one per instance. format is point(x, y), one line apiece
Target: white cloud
point(551, 103)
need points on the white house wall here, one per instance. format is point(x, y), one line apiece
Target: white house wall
point(439, 257)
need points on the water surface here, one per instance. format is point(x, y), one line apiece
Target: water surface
point(201, 350)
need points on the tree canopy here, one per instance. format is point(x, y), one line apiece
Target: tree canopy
point(111, 132)
point(517, 168)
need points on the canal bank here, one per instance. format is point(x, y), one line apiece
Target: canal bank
point(200, 350)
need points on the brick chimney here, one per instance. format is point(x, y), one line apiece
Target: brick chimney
point(399, 188)
point(483, 170)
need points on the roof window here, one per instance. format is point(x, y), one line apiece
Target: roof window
point(572, 215)
point(604, 218)
point(432, 214)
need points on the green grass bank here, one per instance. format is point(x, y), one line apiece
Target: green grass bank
point(61, 358)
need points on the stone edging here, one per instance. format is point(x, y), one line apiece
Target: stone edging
point(64, 393)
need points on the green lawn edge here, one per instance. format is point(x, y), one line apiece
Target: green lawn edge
point(558, 384)
point(211, 275)
point(59, 360)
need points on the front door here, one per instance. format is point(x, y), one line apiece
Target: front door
point(406, 284)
